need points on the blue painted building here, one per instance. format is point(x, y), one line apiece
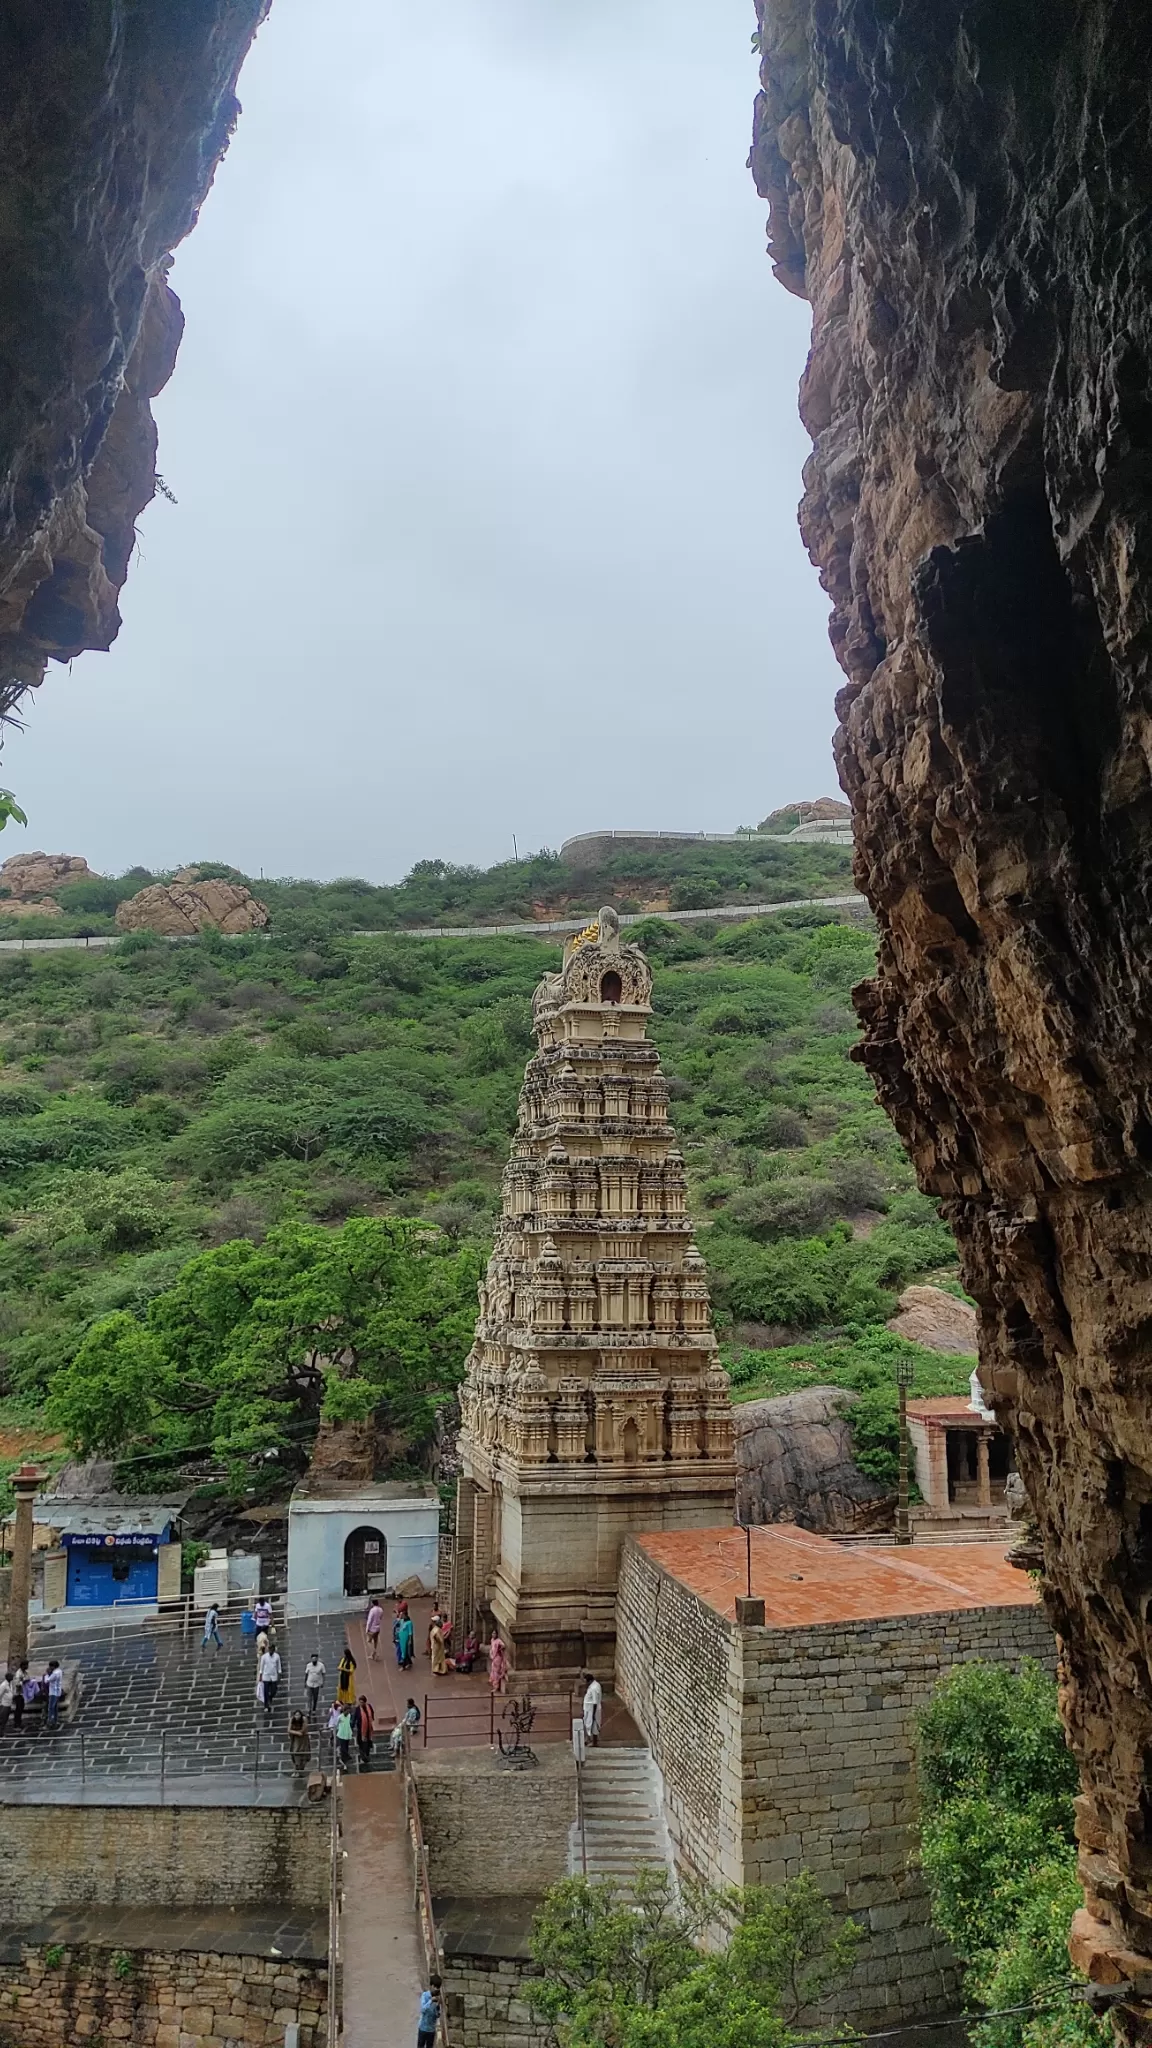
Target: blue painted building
point(114, 1552)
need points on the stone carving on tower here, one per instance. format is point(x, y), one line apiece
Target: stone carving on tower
point(594, 1404)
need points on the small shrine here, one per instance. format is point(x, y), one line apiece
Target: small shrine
point(961, 1455)
point(594, 1404)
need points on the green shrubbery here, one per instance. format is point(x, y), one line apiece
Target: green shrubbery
point(997, 1847)
point(157, 1101)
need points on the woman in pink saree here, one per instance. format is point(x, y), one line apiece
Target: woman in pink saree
point(497, 1665)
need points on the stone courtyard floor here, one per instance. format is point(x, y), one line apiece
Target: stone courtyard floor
point(154, 1706)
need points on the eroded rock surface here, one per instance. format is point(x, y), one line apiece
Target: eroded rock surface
point(929, 1316)
point(112, 121)
point(962, 191)
point(795, 1463)
point(178, 911)
point(28, 876)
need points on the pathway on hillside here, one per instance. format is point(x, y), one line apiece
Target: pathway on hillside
point(381, 1948)
point(574, 923)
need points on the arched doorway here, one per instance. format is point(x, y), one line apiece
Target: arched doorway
point(365, 1558)
point(611, 987)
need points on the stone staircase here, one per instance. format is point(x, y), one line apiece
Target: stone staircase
point(624, 1825)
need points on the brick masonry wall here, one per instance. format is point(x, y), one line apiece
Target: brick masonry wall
point(485, 2007)
point(68, 1856)
point(673, 1658)
point(158, 2000)
point(790, 1749)
point(493, 1833)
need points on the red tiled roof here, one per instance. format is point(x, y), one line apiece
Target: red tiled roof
point(806, 1580)
point(947, 1408)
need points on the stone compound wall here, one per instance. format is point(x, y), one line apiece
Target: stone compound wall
point(673, 1670)
point(790, 1749)
point(160, 1856)
point(494, 1833)
point(156, 1999)
point(485, 2006)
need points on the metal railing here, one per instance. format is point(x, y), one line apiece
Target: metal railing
point(335, 1904)
point(167, 1618)
point(99, 1759)
point(474, 1718)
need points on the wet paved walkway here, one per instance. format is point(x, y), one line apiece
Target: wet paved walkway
point(382, 1949)
point(301, 1936)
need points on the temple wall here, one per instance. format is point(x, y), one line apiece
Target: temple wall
point(784, 1749)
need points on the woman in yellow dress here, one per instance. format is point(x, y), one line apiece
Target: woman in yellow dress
point(345, 1681)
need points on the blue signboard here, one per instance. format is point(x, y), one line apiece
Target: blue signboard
point(120, 1541)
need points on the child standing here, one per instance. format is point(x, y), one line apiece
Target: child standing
point(428, 2025)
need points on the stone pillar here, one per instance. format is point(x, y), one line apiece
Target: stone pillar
point(26, 1483)
point(462, 1594)
point(983, 1481)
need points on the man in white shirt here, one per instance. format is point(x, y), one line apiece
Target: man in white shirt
point(270, 1668)
point(593, 1705)
point(315, 1672)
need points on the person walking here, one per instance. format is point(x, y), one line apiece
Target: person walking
point(18, 1701)
point(5, 1700)
point(428, 2025)
point(299, 1742)
point(344, 1739)
point(212, 1628)
point(314, 1676)
point(345, 1686)
point(364, 1729)
point(436, 1651)
point(373, 1623)
point(593, 1708)
point(270, 1669)
point(405, 1642)
point(497, 1665)
point(54, 1686)
point(262, 1613)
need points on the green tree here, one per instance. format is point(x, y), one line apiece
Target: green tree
point(996, 1845)
point(255, 1343)
point(628, 1970)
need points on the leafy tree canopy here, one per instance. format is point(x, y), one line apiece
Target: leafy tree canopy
point(629, 1970)
point(255, 1343)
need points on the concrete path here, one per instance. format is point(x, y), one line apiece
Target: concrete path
point(383, 1955)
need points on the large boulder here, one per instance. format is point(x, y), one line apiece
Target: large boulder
point(27, 876)
point(939, 1321)
point(795, 1463)
point(180, 910)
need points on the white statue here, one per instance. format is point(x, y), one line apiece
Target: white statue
point(976, 1399)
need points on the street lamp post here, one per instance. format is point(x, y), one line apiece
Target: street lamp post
point(905, 1374)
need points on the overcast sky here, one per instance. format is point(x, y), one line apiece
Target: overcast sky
point(484, 437)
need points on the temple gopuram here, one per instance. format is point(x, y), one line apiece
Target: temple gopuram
point(594, 1404)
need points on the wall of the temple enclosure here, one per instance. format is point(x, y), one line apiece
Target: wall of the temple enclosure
point(494, 1833)
point(784, 1749)
point(485, 2004)
point(674, 1673)
point(51, 1993)
point(60, 1857)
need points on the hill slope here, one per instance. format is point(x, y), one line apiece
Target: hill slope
point(156, 1100)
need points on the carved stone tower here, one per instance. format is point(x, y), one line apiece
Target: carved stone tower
point(594, 1404)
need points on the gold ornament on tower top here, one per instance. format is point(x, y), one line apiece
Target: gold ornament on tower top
point(594, 1405)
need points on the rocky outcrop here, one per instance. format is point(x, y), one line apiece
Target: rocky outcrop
point(962, 191)
point(929, 1316)
point(180, 911)
point(795, 1463)
point(28, 877)
point(114, 119)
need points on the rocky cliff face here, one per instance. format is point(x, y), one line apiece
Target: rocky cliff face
point(795, 1463)
point(180, 910)
point(112, 121)
point(961, 188)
